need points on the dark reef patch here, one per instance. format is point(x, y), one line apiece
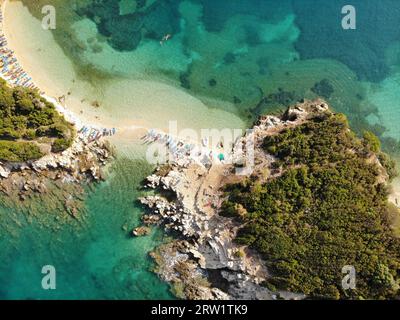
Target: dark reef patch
point(323, 89)
point(236, 100)
point(125, 32)
point(229, 58)
point(212, 82)
point(184, 80)
point(363, 49)
point(217, 12)
point(274, 100)
point(141, 3)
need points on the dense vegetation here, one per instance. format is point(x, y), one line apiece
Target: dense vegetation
point(327, 210)
point(28, 122)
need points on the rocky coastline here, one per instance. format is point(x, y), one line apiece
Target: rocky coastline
point(203, 261)
point(81, 163)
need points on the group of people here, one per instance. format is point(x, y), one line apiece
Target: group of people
point(10, 69)
point(181, 150)
point(91, 134)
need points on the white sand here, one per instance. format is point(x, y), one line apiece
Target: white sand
point(126, 104)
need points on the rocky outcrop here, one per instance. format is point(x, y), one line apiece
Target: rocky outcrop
point(208, 245)
point(205, 256)
point(82, 159)
point(141, 231)
point(4, 171)
point(176, 266)
point(82, 162)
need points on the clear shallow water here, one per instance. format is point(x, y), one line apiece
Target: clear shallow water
point(95, 257)
point(253, 55)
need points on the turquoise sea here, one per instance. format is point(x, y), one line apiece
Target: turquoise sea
point(246, 57)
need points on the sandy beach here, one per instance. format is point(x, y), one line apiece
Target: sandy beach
point(128, 105)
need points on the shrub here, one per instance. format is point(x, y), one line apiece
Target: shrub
point(372, 141)
point(327, 212)
point(60, 144)
point(19, 151)
point(24, 114)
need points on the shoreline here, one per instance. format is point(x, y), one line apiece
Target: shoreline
point(208, 245)
point(15, 75)
point(214, 265)
point(125, 132)
point(204, 261)
point(127, 135)
point(82, 161)
point(79, 122)
point(13, 72)
point(128, 105)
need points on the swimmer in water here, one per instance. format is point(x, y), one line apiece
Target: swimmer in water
point(165, 38)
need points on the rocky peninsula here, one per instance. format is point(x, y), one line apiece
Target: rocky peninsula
point(205, 262)
point(82, 162)
point(206, 211)
point(39, 147)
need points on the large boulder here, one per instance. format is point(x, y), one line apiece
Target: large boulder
point(4, 172)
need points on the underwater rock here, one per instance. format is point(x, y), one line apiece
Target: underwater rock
point(124, 31)
point(279, 98)
point(236, 100)
point(212, 82)
point(96, 104)
point(184, 80)
point(323, 89)
point(161, 18)
point(229, 58)
point(150, 219)
point(99, 10)
point(141, 231)
point(140, 4)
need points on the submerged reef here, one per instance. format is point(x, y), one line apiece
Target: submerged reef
point(323, 89)
point(124, 31)
point(217, 13)
point(362, 49)
point(274, 100)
